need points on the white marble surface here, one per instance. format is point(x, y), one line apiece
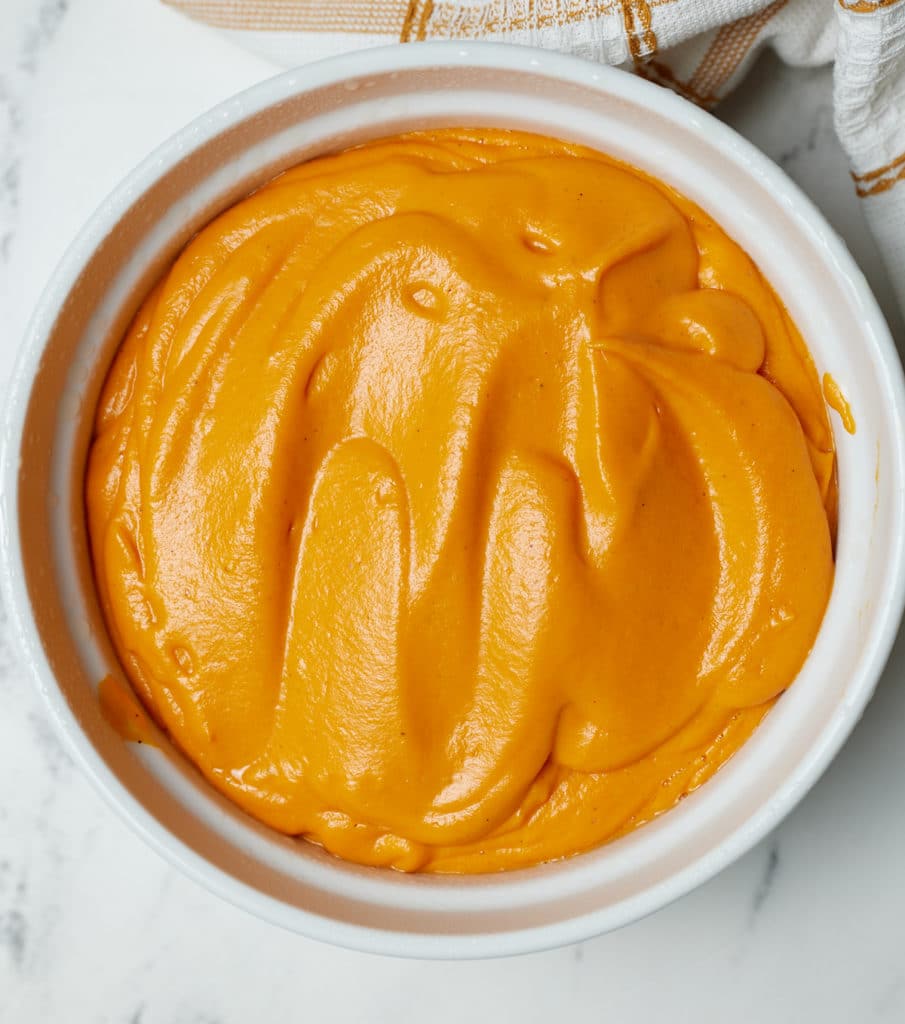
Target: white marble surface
point(94, 927)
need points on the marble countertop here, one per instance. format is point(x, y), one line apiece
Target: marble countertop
point(94, 927)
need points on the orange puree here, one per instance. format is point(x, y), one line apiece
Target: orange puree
point(460, 501)
point(123, 712)
point(838, 402)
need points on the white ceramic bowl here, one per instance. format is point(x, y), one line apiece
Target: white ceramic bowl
point(214, 162)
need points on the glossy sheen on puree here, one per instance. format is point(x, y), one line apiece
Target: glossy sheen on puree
point(461, 501)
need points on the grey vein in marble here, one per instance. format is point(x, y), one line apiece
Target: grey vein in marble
point(46, 740)
point(765, 883)
point(823, 125)
point(14, 928)
point(15, 73)
point(7, 658)
point(13, 934)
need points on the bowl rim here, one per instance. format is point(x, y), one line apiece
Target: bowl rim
point(380, 60)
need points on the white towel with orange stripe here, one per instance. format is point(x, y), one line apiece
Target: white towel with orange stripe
point(699, 48)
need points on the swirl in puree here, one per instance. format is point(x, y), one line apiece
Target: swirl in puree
point(461, 501)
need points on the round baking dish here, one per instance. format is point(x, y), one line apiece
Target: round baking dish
point(211, 164)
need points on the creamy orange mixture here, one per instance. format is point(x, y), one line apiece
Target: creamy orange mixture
point(461, 501)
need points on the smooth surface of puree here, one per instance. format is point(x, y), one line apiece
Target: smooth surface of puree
point(461, 501)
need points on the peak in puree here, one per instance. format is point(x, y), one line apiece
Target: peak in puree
point(461, 501)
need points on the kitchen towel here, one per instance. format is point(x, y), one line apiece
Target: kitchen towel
point(699, 48)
